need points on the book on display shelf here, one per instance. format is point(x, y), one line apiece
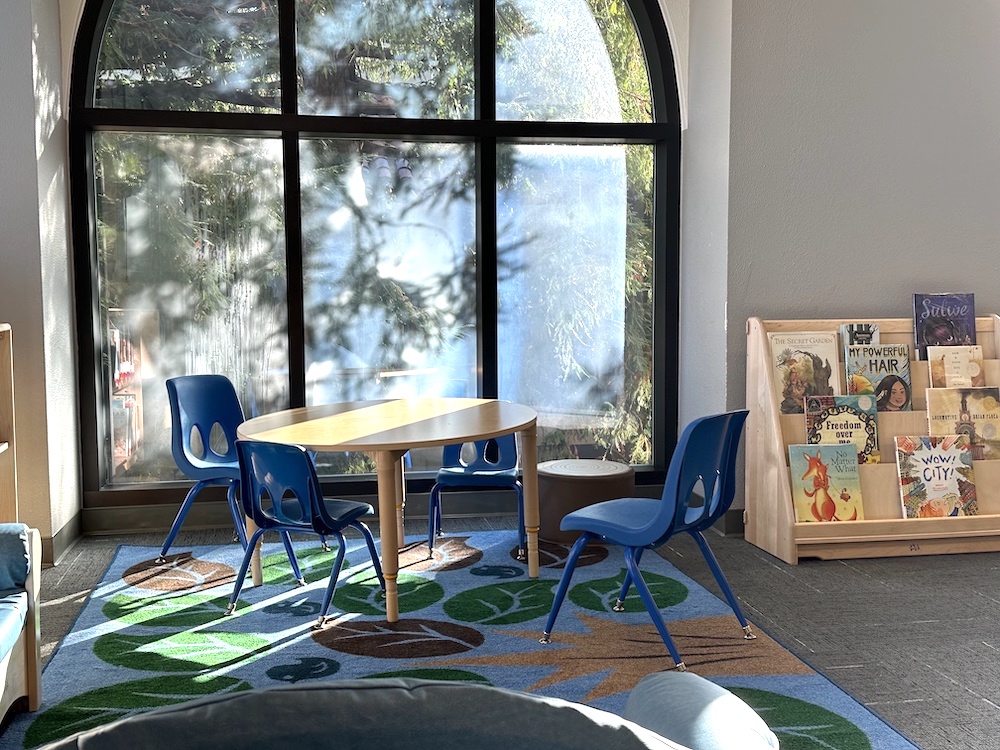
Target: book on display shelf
point(973, 412)
point(804, 363)
point(882, 371)
point(853, 420)
point(825, 482)
point(956, 366)
point(943, 319)
point(858, 333)
point(936, 476)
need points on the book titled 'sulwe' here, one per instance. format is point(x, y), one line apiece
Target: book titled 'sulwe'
point(936, 478)
point(973, 412)
point(943, 319)
point(803, 364)
point(875, 370)
point(956, 366)
point(853, 420)
point(825, 482)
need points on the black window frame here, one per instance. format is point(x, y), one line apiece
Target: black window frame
point(663, 133)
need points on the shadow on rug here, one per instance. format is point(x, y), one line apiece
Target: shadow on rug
point(154, 634)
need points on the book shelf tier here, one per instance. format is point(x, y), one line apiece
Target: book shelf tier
point(769, 516)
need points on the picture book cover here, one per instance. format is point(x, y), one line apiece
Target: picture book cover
point(956, 366)
point(973, 412)
point(858, 333)
point(882, 371)
point(803, 364)
point(936, 478)
point(832, 420)
point(943, 320)
point(826, 484)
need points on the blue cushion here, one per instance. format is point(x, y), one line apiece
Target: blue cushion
point(13, 611)
point(14, 564)
point(698, 713)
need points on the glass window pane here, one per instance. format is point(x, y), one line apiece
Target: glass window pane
point(570, 60)
point(574, 237)
point(387, 58)
point(390, 270)
point(192, 280)
point(190, 55)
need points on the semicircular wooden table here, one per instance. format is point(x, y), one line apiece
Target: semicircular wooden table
point(386, 430)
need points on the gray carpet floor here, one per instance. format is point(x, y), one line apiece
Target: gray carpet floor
point(915, 639)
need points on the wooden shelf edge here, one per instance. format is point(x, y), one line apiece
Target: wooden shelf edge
point(869, 548)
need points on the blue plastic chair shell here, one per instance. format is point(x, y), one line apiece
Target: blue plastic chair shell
point(493, 465)
point(281, 492)
point(199, 403)
point(705, 457)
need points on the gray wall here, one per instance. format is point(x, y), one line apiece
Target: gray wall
point(838, 155)
point(864, 159)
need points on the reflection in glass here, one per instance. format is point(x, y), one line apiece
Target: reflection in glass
point(404, 58)
point(190, 55)
point(390, 270)
point(192, 280)
point(570, 61)
point(574, 322)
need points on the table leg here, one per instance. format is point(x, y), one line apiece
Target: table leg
point(529, 482)
point(388, 472)
point(256, 572)
point(400, 500)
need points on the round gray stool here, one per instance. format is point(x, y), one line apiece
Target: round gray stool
point(569, 484)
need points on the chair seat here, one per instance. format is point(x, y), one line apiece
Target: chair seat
point(341, 512)
point(617, 518)
point(201, 469)
point(345, 511)
point(462, 477)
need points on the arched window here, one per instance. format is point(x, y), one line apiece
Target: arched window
point(333, 200)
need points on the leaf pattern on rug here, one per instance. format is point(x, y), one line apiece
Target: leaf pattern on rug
point(195, 651)
point(180, 572)
point(364, 596)
point(601, 594)
point(121, 699)
point(800, 725)
point(502, 603)
point(404, 639)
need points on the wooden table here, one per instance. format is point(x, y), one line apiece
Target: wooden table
point(386, 430)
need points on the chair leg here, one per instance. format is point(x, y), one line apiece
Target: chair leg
point(179, 518)
point(631, 553)
point(334, 575)
point(242, 574)
point(292, 560)
point(574, 555)
point(239, 520)
point(433, 518)
point(370, 541)
point(619, 606)
point(720, 578)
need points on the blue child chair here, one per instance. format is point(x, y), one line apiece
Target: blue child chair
point(705, 455)
point(201, 405)
point(281, 492)
point(493, 465)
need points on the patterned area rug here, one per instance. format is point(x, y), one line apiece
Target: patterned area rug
point(153, 635)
